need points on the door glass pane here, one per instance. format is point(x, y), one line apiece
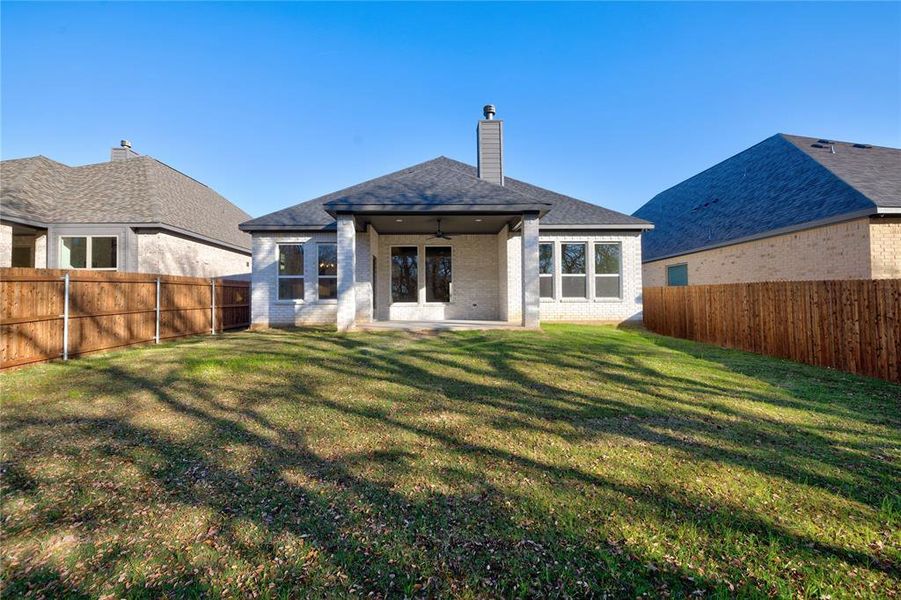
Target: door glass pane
point(572, 259)
point(73, 253)
point(606, 259)
point(606, 287)
point(328, 288)
point(547, 287)
point(290, 260)
point(404, 274)
point(438, 272)
point(103, 253)
point(328, 259)
point(574, 287)
point(290, 289)
point(545, 259)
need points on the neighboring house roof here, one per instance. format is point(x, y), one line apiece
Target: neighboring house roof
point(441, 184)
point(137, 190)
point(784, 182)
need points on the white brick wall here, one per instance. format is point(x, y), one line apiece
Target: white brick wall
point(173, 255)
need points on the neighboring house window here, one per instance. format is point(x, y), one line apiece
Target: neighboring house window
point(572, 270)
point(290, 272)
point(607, 270)
point(546, 269)
point(88, 252)
point(328, 271)
point(677, 275)
point(404, 274)
point(438, 273)
point(23, 251)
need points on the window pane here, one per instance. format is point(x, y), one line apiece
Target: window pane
point(74, 253)
point(404, 275)
point(572, 259)
point(290, 289)
point(545, 259)
point(606, 287)
point(290, 260)
point(328, 288)
point(23, 256)
point(606, 259)
point(677, 275)
point(574, 287)
point(103, 253)
point(438, 271)
point(328, 259)
point(547, 287)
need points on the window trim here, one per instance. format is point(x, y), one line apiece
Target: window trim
point(335, 276)
point(279, 276)
point(425, 276)
point(588, 258)
point(681, 264)
point(595, 274)
point(89, 247)
point(552, 275)
point(419, 290)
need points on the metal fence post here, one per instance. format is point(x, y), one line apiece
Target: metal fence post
point(157, 334)
point(66, 319)
point(213, 306)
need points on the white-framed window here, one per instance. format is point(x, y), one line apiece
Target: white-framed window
point(439, 273)
point(290, 271)
point(608, 268)
point(546, 269)
point(328, 271)
point(404, 274)
point(573, 263)
point(99, 252)
point(677, 275)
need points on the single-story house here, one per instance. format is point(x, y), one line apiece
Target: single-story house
point(133, 213)
point(789, 208)
point(446, 241)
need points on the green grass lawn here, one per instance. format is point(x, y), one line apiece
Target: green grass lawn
point(574, 461)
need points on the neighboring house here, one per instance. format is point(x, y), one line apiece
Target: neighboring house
point(133, 213)
point(789, 208)
point(443, 241)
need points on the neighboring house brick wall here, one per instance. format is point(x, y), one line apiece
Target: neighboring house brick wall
point(162, 252)
point(40, 251)
point(839, 251)
point(885, 248)
point(6, 245)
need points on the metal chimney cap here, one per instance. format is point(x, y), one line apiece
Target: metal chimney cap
point(489, 111)
point(125, 144)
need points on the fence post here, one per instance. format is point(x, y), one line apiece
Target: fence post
point(213, 306)
point(66, 318)
point(156, 335)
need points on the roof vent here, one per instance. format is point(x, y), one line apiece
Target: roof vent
point(823, 142)
point(861, 146)
point(125, 144)
point(488, 111)
point(817, 146)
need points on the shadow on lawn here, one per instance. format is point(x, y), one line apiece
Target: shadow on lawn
point(480, 537)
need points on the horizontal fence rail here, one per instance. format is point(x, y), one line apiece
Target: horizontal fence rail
point(53, 313)
point(852, 325)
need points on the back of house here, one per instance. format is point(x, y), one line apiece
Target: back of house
point(133, 213)
point(788, 208)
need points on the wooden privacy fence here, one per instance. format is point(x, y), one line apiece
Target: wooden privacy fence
point(851, 325)
point(50, 313)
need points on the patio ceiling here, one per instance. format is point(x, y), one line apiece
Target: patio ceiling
point(427, 224)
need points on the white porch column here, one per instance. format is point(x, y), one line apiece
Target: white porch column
point(531, 290)
point(347, 267)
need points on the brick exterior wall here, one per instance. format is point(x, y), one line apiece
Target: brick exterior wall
point(173, 255)
point(885, 248)
point(6, 245)
point(839, 251)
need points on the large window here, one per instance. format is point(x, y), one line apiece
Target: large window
point(404, 274)
point(607, 270)
point(290, 272)
point(438, 273)
point(88, 252)
point(572, 270)
point(677, 275)
point(328, 271)
point(546, 269)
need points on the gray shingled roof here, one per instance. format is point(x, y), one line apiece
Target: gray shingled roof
point(783, 182)
point(136, 190)
point(444, 183)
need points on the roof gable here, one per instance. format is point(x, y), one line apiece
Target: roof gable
point(770, 186)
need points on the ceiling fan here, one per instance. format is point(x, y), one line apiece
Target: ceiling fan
point(440, 234)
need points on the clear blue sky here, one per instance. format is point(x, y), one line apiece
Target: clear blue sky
point(273, 104)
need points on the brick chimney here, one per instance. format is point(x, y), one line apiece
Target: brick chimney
point(490, 137)
point(123, 151)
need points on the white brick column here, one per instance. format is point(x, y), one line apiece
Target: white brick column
point(347, 266)
point(531, 290)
